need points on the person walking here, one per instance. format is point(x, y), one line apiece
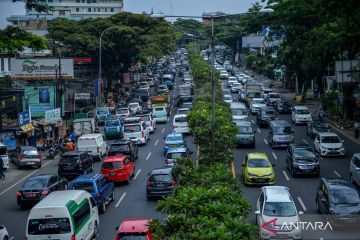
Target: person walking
point(357, 129)
point(2, 175)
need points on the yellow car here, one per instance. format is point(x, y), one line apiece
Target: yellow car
point(257, 170)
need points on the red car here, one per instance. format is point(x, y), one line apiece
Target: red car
point(134, 228)
point(118, 168)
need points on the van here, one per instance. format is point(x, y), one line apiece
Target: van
point(180, 124)
point(113, 128)
point(238, 110)
point(159, 114)
point(64, 215)
point(93, 144)
point(280, 133)
point(139, 132)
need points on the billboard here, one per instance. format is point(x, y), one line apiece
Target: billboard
point(41, 68)
point(344, 70)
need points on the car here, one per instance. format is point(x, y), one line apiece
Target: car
point(173, 140)
point(26, 156)
point(4, 235)
point(136, 228)
point(339, 200)
point(280, 133)
point(93, 144)
point(230, 83)
point(329, 144)
point(4, 154)
point(180, 124)
point(144, 85)
point(301, 159)
point(282, 107)
point(124, 147)
point(37, 187)
point(101, 189)
point(300, 115)
point(226, 91)
point(174, 153)
point(151, 81)
point(236, 87)
point(161, 182)
point(134, 107)
point(238, 111)
point(182, 99)
point(257, 170)
point(118, 168)
point(271, 98)
point(232, 78)
point(224, 74)
point(256, 104)
point(160, 114)
point(265, 92)
point(113, 128)
point(188, 105)
point(122, 112)
point(316, 126)
point(228, 99)
point(138, 132)
point(245, 135)
point(73, 164)
point(184, 111)
point(142, 94)
point(146, 116)
point(101, 114)
point(276, 205)
point(265, 115)
point(162, 89)
point(355, 169)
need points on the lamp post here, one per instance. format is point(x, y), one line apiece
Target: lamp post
point(99, 99)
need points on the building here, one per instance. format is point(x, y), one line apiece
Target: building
point(207, 16)
point(70, 9)
point(254, 43)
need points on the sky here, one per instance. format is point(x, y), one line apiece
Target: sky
point(168, 7)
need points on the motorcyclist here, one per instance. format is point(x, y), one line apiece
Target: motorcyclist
point(70, 146)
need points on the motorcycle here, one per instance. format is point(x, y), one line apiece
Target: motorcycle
point(321, 114)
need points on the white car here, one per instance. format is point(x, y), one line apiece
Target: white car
point(138, 132)
point(232, 78)
point(276, 214)
point(236, 87)
point(256, 104)
point(228, 99)
point(230, 83)
point(134, 107)
point(180, 124)
point(355, 169)
point(184, 111)
point(224, 74)
point(122, 112)
point(300, 115)
point(329, 144)
point(4, 155)
point(144, 85)
point(4, 235)
point(272, 98)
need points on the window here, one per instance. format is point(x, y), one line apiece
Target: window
point(77, 1)
point(62, 12)
point(111, 9)
point(77, 9)
point(52, 181)
point(356, 161)
point(81, 215)
point(49, 226)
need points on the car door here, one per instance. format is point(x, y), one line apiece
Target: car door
point(129, 167)
point(53, 184)
point(259, 207)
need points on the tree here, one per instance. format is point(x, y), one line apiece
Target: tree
point(37, 5)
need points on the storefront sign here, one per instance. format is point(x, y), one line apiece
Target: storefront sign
point(82, 96)
point(24, 118)
point(52, 115)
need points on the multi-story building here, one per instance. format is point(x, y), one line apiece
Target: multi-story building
point(70, 9)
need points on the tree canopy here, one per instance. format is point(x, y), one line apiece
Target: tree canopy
point(37, 5)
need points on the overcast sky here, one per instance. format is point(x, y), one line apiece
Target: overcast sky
point(173, 7)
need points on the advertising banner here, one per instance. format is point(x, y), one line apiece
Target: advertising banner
point(24, 118)
point(52, 115)
point(82, 96)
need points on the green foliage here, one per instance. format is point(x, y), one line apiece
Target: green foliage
point(37, 5)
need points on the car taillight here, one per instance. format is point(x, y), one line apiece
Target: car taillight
point(142, 134)
point(18, 194)
point(149, 183)
point(21, 156)
point(73, 237)
point(45, 192)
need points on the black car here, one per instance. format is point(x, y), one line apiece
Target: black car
point(301, 159)
point(73, 164)
point(339, 200)
point(161, 182)
point(183, 99)
point(265, 115)
point(124, 147)
point(35, 188)
point(314, 127)
point(282, 107)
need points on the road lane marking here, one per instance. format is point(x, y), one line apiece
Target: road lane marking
point(122, 197)
point(265, 141)
point(157, 141)
point(302, 204)
point(163, 130)
point(306, 142)
point(23, 178)
point(259, 130)
point(137, 174)
point(274, 155)
point(147, 158)
point(286, 176)
point(337, 174)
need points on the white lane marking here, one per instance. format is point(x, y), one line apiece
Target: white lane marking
point(302, 204)
point(23, 178)
point(12, 238)
point(157, 141)
point(163, 130)
point(122, 197)
point(137, 174)
point(259, 130)
point(274, 155)
point(337, 174)
point(147, 158)
point(265, 141)
point(252, 121)
point(321, 238)
point(286, 176)
point(306, 142)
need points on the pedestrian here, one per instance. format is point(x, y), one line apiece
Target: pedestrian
point(2, 175)
point(357, 129)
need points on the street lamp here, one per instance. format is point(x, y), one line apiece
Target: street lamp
point(98, 102)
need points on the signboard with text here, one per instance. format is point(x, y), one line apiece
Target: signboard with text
point(24, 118)
point(52, 115)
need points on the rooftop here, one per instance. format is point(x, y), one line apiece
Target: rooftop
point(277, 194)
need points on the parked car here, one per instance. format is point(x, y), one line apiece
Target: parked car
point(282, 107)
point(300, 115)
point(174, 153)
point(124, 147)
point(118, 169)
point(280, 133)
point(26, 156)
point(134, 228)
point(173, 140)
point(35, 188)
point(73, 164)
point(339, 200)
point(329, 144)
point(161, 182)
point(355, 169)
point(245, 135)
point(257, 169)
point(4, 154)
point(265, 115)
point(301, 159)
point(101, 189)
point(314, 127)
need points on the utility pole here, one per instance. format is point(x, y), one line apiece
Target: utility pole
point(213, 152)
point(60, 86)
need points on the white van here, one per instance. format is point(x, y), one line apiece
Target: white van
point(64, 215)
point(180, 124)
point(93, 144)
point(139, 132)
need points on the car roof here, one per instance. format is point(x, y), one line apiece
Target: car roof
point(115, 158)
point(175, 150)
point(90, 135)
point(257, 155)
point(161, 171)
point(134, 225)
point(174, 134)
point(300, 107)
point(179, 115)
point(61, 198)
point(327, 134)
point(337, 182)
point(243, 123)
point(279, 123)
point(88, 177)
point(40, 176)
point(183, 109)
point(277, 194)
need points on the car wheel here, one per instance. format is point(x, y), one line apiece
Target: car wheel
point(103, 207)
point(113, 195)
point(95, 231)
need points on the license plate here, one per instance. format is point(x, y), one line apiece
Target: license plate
point(30, 195)
point(173, 145)
point(112, 174)
point(30, 163)
point(160, 185)
point(260, 180)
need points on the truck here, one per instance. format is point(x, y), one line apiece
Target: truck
point(83, 126)
point(185, 90)
point(161, 100)
point(252, 91)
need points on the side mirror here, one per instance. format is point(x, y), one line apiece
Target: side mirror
point(301, 213)
point(257, 212)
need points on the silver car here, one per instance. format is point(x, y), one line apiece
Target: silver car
point(355, 169)
point(329, 144)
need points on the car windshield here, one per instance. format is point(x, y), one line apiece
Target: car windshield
point(159, 109)
point(175, 155)
point(141, 91)
point(239, 112)
point(102, 111)
point(112, 165)
point(162, 88)
point(174, 139)
point(183, 111)
point(245, 129)
point(49, 226)
point(304, 154)
point(227, 97)
point(236, 85)
point(302, 111)
point(122, 111)
point(132, 236)
point(258, 101)
point(282, 130)
point(87, 186)
point(69, 159)
point(320, 125)
point(132, 128)
point(258, 163)
point(133, 105)
point(274, 96)
point(119, 147)
point(30, 154)
point(161, 178)
point(180, 120)
point(344, 196)
point(280, 209)
point(112, 123)
point(35, 183)
point(330, 139)
point(144, 118)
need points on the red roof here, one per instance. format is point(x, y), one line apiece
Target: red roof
point(120, 158)
point(134, 225)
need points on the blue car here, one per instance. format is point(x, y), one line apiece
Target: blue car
point(113, 128)
point(173, 140)
point(98, 186)
point(101, 114)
